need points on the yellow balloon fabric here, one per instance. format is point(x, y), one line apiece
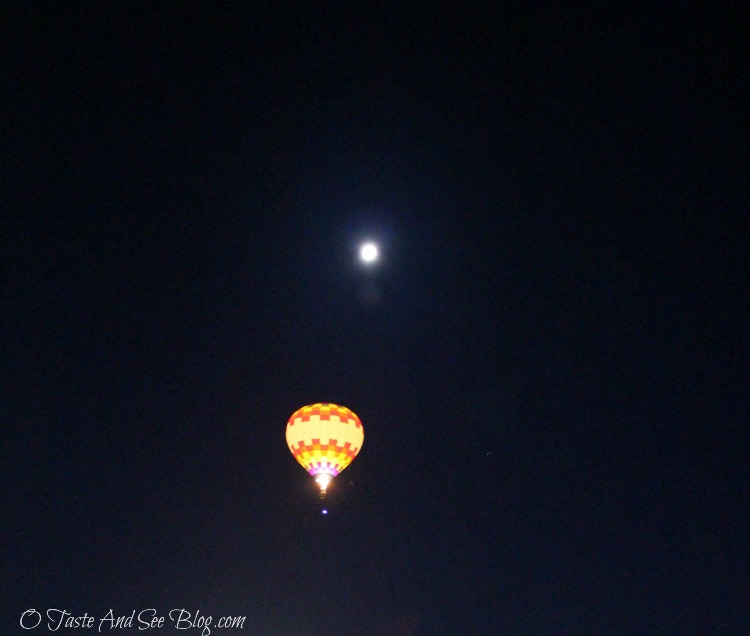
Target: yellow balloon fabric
point(324, 438)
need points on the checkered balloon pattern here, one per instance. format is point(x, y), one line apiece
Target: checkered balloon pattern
point(324, 437)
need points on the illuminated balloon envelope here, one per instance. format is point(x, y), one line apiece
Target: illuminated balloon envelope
point(324, 438)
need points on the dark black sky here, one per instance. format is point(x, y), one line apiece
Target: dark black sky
point(550, 361)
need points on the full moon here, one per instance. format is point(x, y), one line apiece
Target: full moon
point(368, 253)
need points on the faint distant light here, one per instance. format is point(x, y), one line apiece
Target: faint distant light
point(368, 253)
point(325, 512)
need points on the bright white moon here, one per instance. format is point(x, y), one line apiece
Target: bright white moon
point(368, 252)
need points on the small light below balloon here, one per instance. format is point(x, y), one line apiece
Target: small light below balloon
point(325, 512)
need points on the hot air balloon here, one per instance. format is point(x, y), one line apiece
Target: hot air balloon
point(324, 438)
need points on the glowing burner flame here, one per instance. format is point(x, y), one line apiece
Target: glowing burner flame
point(323, 480)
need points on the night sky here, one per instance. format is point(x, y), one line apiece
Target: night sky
point(550, 359)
